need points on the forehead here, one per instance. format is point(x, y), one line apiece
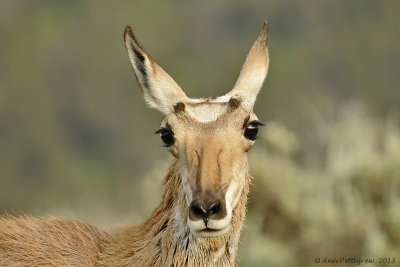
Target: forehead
point(208, 114)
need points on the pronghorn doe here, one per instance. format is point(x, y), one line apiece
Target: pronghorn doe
point(199, 219)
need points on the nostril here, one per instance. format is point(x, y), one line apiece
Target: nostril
point(198, 210)
point(213, 208)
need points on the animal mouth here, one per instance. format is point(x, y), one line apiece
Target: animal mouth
point(211, 232)
point(211, 227)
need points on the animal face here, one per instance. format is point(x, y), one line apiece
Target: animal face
point(210, 140)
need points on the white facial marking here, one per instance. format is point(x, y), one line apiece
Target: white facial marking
point(206, 112)
point(186, 186)
point(180, 231)
point(234, 190)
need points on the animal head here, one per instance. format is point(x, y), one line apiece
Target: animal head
point(208, 137)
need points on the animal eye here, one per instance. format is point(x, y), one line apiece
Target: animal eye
point(252, 129)
point(167, 136)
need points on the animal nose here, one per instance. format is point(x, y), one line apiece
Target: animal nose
point(205, 209)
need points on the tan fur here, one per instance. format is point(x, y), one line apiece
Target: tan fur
point(210, 166)
point(27, 241)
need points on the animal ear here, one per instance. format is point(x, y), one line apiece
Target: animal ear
point(160, 90)
point(253, 72)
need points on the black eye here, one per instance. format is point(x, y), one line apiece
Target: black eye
point(167, 136)
point(252, 129)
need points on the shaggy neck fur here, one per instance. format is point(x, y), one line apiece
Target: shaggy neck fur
point(165, 239)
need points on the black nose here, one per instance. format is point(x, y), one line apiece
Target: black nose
point(204, 210)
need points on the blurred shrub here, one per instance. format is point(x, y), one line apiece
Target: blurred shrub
point(345, 206)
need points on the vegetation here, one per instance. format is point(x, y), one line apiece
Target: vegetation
point(76, 138)
point(342, 204)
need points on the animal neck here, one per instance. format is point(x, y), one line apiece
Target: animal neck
point(165, 239)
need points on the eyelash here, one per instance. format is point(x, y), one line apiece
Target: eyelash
point(167, 136)
point(251, 130)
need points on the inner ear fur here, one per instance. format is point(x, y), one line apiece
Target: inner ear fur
point(253, 72)
point(159, 89)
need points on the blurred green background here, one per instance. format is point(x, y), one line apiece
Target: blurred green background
point(76, 137)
